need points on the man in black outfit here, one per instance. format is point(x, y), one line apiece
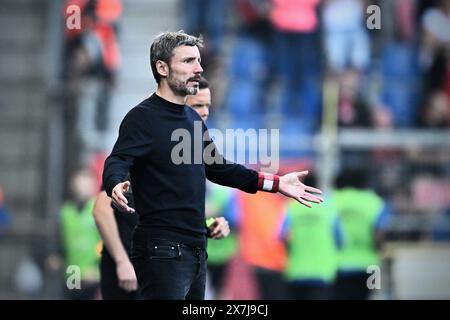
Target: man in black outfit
point(168, 251)
point(117, 276)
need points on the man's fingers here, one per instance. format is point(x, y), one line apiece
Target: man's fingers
point(128, 285)
point(217, 236)
point(312, 198)
point(119, 196)
point(221, 230)
point(302, 174)
point(134, 285)
point(119, 199)
point(305, 203)
point(122, 206)
point(119, 204)
point(313, 190)
point(316, 198)
point(218, 228)
point(126, 186)
point(125, 285)
point(216, 232)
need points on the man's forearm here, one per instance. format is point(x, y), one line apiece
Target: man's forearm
point(226, 173)
point(107, 226)
point(234, 176)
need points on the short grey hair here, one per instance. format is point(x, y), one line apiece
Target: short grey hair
point(164, 44)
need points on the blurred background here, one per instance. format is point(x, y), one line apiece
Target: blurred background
point(361, 99)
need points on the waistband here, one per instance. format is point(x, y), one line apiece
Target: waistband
point(167, 242)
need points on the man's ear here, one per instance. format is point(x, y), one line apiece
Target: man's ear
point(162, 68)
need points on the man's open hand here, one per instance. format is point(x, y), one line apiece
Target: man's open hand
point(118, 198)
point(291, 186)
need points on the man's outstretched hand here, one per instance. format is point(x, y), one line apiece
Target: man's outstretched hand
point(291, 186)
point(118, 198)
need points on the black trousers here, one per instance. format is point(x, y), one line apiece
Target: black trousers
point(351, 286)
point(168, 269)
point(271, 284)
point(216, 273)
point(301, 291)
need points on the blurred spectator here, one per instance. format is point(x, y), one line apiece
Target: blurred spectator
point(399, 23)
point(347, 49)
point(251, 61)
point(353, 110)
point(400, 90)
point(91, 59)
point(5, 219)
point(81, 241)
point(435, 50)
point(208, 18)
point(260, 222)
point(382, 118)
point(254, 17)
point(221, 201)
point(435, 22)
point(312, 236)
point(297, 44)
point(347, 43)
point(436, 111)
point(396, 47)
point(363, 232)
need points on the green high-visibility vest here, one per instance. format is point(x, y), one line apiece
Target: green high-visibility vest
point(312, 248)
point(222, 250)
point(358, 212)
point(81, 239)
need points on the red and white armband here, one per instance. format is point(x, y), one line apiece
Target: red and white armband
point(268, 182)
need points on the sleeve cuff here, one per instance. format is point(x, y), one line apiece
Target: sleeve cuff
point(268, 182)
point(109, 188)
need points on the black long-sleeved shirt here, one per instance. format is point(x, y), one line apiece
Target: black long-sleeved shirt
point(169, 197)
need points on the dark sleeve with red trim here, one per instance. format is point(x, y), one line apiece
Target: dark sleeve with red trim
point(233, 175)
point(227, 173)
point(268, 182)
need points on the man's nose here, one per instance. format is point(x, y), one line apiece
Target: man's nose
point(198, 68)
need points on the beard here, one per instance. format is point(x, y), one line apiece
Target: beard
point(179, 87)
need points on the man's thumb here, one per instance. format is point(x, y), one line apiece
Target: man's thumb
point(302, 174)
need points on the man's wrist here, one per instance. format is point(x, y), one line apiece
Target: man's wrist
point(268, 182)
point(122, 259)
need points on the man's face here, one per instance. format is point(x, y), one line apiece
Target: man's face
point(184, 70)
point(83, 185)
point(200, 102)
